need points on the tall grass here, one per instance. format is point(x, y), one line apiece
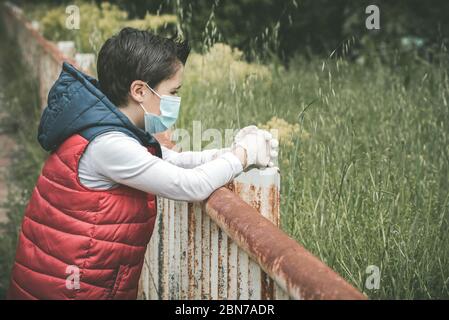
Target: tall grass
point(365, 179)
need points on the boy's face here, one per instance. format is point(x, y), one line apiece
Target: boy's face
point(169, 87)
point(141, 94)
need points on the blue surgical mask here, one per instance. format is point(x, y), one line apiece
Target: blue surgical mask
point(169, 106)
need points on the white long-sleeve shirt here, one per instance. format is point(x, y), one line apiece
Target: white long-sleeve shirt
point(114, 158)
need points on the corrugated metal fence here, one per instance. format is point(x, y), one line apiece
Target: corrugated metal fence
point(191, 257)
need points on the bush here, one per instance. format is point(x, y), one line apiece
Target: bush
point(97, 23)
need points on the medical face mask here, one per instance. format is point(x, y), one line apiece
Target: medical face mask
point(169, 107)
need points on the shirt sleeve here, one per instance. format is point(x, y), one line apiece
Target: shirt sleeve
point(191, 159)
point(124, 160)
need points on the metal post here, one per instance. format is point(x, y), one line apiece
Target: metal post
point(191, 257)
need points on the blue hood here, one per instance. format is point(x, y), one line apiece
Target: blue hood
point(76, 105)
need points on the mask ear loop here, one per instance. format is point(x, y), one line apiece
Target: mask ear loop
point(144, 111)
point(153, 90)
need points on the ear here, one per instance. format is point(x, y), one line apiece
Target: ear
point(137, 91)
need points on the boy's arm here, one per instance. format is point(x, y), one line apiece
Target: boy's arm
point(191, 159)
point(123, 160)
point(185, 159)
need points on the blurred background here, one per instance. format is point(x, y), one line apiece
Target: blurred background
point(362, 116)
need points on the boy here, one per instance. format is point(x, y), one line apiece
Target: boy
point(92, 211)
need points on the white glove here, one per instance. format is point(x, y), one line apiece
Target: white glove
point(260, 146)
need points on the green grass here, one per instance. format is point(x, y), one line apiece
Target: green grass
point(368, 183)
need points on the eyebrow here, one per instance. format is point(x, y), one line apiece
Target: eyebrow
point(179, 86)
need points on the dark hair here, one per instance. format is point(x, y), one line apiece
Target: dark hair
point(134, 54)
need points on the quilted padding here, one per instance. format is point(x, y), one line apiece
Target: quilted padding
point(101, 233)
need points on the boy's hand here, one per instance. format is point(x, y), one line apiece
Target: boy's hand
point(260, 147)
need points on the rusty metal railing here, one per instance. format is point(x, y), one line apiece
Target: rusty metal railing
point(231, 247)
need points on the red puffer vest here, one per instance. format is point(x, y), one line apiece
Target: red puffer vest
point(78, 243)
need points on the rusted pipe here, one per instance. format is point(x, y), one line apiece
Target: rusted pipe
point(297, 271)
